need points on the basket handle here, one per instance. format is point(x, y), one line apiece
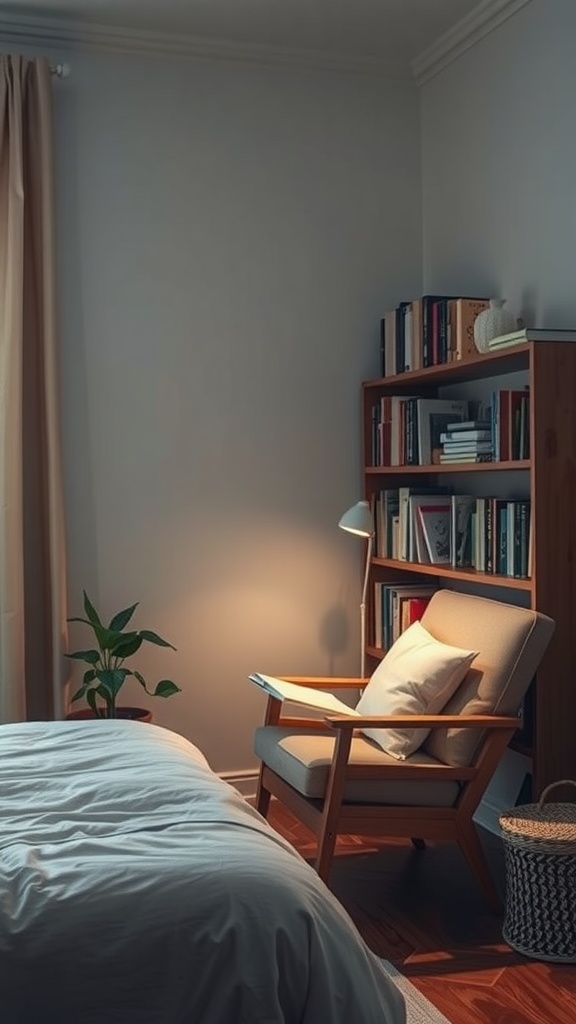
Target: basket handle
point(561, 782)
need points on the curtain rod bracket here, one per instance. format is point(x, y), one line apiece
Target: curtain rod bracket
point(61, 70)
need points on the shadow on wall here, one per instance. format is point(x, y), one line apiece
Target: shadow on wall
point(334, 635)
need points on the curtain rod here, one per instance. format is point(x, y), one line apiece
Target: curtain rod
point(61, 70)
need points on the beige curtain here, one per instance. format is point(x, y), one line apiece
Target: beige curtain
point(32, 568)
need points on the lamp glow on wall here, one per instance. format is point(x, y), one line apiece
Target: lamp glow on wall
point(359, 520)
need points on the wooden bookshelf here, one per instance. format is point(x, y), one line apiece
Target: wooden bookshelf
point(549, 478)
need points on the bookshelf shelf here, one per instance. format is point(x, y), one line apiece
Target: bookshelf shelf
point(464, 575)
point(548, 479)
point(508, 360)
point(480, 467)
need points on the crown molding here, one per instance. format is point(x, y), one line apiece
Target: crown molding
point(110, 39)
point(37, 30)
point(463, 35)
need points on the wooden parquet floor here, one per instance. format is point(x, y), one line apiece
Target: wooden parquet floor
point(423, 911)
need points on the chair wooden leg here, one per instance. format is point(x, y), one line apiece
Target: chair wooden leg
point(419, 844)
point(472, 849)
point(262, 796)
point(332, 802)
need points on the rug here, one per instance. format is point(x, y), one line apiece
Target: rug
point(419, 1010)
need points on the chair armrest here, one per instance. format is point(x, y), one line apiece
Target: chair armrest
point(421, 721)
point(328, 682)
point(294, 722)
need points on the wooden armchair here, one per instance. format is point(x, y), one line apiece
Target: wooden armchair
point(337, 781)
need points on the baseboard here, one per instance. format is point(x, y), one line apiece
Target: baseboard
point(244, 781)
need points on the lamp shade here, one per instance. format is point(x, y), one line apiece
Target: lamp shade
point(358, 519)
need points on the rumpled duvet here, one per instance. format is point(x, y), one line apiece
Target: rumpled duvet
point(137, 887)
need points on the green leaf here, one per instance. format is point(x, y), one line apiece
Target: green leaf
point(112, 679)
point(108, 699)
point(153, 638)
point(127, 644)
point(91, 698)
point(89, 677)
point(165, 688)
point(100, 632)
point(141, 680)
point(91, 612)
point(107, 638)
point(121, 619)
point(92, 657)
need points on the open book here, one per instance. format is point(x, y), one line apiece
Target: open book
point(312, 698)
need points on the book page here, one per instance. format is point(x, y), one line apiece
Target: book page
point(284, 690)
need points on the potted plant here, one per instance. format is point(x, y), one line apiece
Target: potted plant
point(107, 672)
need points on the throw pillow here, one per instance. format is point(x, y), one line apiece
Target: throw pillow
point(417, 676)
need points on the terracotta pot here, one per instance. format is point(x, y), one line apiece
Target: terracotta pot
point(135, 714)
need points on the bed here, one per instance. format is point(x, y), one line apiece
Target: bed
point(138, 887)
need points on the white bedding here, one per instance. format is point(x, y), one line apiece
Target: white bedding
point(138, 887)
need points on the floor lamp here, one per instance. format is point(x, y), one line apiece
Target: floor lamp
point(359, 520)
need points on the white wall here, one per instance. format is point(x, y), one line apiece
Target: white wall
point(228, 240)
point(499, 158)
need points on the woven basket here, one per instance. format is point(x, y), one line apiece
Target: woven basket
point(540, 855)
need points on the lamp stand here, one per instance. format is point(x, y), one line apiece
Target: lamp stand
point(363, 608)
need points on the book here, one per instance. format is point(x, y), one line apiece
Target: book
point(401, 308)
point(457, 457)
point(412, 610)
point(432, 415)
point(408, 347)
point(532, 334)
point(468, 425)
point(511, 424)
point(462, 313)
point(466, 435)
point(462, 507)
point(405, 523)
point(307, 695)
point(388, 603)
point(427, 304)
point(386, 507)
point(395, 406)
point(399, 597)
point(466, 447)
point(500, 536)
point(443, 339)
point(417, 550)
point(390, 342)
point(416, 361)
point(436, 528)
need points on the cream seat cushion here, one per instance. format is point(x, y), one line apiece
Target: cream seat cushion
point(302, 758)
point(417, 676)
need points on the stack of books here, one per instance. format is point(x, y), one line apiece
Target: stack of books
point(428, 331)
point(397, 606)
point(467, 441)
point(524, 334)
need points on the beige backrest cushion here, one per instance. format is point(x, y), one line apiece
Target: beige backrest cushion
point(510, 642)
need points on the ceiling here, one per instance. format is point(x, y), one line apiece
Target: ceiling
point(384, 34)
